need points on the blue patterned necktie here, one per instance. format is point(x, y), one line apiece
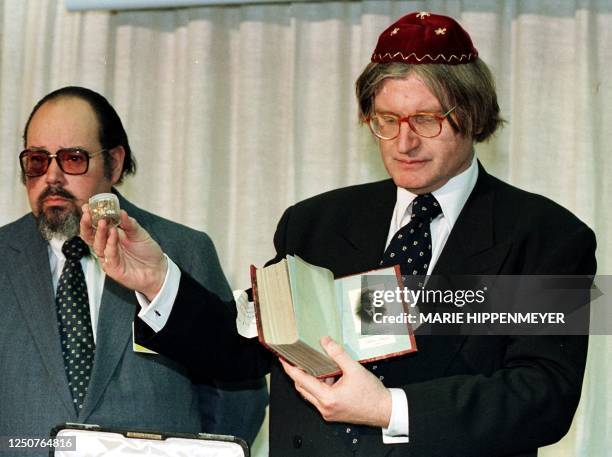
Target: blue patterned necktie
point(411, 245)
point(74, 321)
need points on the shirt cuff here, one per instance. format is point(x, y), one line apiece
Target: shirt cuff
point(245, 315)
point(155, 313)
point(397, 431)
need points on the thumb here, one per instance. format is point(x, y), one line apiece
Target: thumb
point(337, 353)
point(86, 230)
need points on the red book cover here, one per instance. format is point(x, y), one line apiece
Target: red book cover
point(262, 336)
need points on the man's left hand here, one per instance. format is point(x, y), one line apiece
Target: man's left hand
point(356, 397)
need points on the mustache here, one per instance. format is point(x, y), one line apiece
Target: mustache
point(55, 191)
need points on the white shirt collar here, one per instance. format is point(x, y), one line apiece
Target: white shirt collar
point(451, 196)
point(55, 244)
point(56, 247)
point(94, 276)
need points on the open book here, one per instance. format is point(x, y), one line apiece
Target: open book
point(297, 303)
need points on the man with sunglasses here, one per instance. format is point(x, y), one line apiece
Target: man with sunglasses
point(66, 337)
point(427, 98)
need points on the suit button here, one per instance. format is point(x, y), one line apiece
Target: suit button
point(297, 441)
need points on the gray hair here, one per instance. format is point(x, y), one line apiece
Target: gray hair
point(470, 87)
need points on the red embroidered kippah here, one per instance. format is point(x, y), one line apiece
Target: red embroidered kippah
point(425, 38)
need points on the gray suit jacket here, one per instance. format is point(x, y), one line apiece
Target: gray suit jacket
point(126, 389)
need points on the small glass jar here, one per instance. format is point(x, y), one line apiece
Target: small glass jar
point(104, 206)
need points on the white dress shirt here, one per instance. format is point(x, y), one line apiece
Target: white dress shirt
point(94, 277)
point(451, 197)
point(155, 313)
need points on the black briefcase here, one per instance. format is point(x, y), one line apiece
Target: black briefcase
point(84, 440)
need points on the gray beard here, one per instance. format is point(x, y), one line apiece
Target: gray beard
point(59, 223)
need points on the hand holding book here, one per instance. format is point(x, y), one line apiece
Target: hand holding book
point(296, 304)
point(356, 397)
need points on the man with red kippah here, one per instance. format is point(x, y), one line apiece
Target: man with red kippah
point(428, 98)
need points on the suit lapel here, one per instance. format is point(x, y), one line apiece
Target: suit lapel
point(471, 248)
point(30, 276)
point(118, 307)
point(366, 230)
point(113, 337)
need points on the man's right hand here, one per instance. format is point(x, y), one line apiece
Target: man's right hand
point(127, 253)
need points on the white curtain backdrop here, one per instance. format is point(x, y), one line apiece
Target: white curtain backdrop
point(236, 112)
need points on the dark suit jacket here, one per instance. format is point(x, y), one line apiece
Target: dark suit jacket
point(126, 389)
point(467, 396)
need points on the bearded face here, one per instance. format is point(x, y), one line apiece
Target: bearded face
point(60, 221)
point(56, 197)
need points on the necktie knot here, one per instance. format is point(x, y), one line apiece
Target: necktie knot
point(75, 248)
point(425, 207)
point(411, 246)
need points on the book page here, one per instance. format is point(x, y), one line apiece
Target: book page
point(358, 313)
point(275, 302)
point(307, 358)
point(314, 302)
